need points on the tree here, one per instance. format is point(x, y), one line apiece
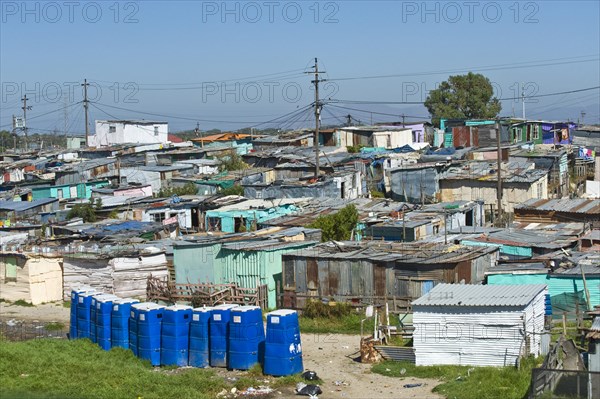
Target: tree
point(469, 96)
point(86, 211)
point(337, 226)
point(232, 161)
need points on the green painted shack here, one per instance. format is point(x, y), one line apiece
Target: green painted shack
point(248, 263)
point(565, 286)
point(67, 191)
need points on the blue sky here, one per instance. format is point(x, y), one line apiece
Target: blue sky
point(187, 61)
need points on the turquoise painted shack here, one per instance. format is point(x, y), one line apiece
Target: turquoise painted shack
point(241, 220)
point(67, 191)
point(247, 263)
point(566, 289)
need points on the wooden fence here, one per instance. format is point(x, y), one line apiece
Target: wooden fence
point(160, 289)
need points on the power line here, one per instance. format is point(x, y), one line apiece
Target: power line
point(517, 65)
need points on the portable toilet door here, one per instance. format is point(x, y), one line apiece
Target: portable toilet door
point(94, 314)
point(219, 330)
point(149, 324)
point(84, 303)
point(246, 337)
point(283, 347)
point(134, 315)
point(103, 320)
point(199, 337)
point(73, 314)
point(175, 336)
point(119, 328)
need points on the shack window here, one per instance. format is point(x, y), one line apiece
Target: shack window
point(10, 269)
point(214, 224)
point(156, 130)
point(159, 217)
point(112, 129)
point(536, 132)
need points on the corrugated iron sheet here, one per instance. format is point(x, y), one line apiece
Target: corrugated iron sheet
point(480, 295)
point(396, 353)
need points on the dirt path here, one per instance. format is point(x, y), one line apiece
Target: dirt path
point(332, 356)
point(47, 312)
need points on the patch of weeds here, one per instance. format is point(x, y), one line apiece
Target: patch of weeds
point(255, 371)
point(55, 326)
point(66, 304)
point(21, 302)
point(246, 382)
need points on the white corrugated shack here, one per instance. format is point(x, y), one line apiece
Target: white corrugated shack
point(34, 278)
point(478, 325)
point(123, 273)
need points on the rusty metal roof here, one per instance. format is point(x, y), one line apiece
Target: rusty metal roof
point(575, 205)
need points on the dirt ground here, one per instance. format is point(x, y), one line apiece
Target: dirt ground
point(331, 356)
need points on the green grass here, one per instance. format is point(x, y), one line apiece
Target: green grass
point(47, 368)
point(55, 326)
point(459, 382)
point(21, 302)
point(66, 304)
point(349, 324)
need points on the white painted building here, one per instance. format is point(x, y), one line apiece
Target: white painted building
point(478, 325)
point(110, 132)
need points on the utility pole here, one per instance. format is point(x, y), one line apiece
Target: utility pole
point(582, 116)
point(499, 167)
point(317, 115)
point(85, 107)
point(403, 120)
point(25, 108)
point(199, 133)
point(523, 98)
point(349, 120)
point(66, 117)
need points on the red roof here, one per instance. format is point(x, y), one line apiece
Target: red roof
point(174, 139)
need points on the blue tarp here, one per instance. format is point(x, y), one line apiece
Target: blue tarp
point(404, 149)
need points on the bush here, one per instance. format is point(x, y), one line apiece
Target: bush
point(233, 190)
point(188, 189)
point(316, 309)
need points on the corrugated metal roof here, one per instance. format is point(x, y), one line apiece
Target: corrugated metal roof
point(20, 206)
point(576, 205)
point(480, 295)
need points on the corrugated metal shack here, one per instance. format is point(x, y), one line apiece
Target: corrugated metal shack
point(376, 272)
point(246, 259)
point(562, 275)
point(478, 325)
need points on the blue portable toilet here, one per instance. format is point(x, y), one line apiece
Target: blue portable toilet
point(93, 314)
point(119, 320)
point(84, 304)
point(74, 303)
point(218, 334)
point(149, 324)
point(199, 343)
point(175, 336)
point(103, 319)
point(283, 348)
point(548, 305)
point(246, 337)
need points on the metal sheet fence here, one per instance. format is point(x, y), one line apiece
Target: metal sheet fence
point(552, 383)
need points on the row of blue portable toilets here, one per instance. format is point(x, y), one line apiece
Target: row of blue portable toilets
point(226, 335)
